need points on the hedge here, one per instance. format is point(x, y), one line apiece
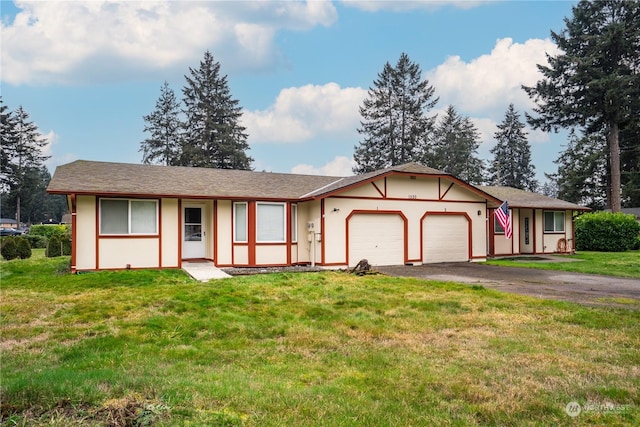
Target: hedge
point(47, 230)
point(606, 232)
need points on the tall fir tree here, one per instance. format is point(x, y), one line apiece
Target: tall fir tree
point(394, 122)
point(454, 147)
point(511, 164)
point(582, 176)
point(630, 163)
point(165, 127)
point(22, 153)
point(594, 83)
point(213, 136)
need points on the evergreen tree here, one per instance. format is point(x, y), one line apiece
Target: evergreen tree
point(595, 81)
point(164, 125)
point(7, 142)
point(512, 165)
point(213, 135)
point(454, 147)
point(630, 163)
point(21, 155)
point(582, 171)
point(395, 125)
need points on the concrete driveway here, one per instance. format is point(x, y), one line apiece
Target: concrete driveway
point(582, 288)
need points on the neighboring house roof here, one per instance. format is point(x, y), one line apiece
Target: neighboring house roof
point(632, 211)
point(8, 221)
point(517, 198)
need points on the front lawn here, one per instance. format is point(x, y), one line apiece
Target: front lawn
point(623, 264)
point(325, 349)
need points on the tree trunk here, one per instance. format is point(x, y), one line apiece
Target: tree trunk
point(18, 213)
point(614, 151)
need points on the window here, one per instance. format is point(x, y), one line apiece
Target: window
point(554, 221)
point(240, 222)
point(118, 216)
point(271, 222)
point(294, 223)
point(497, 227)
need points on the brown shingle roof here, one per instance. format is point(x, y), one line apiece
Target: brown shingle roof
point(87, 177)
point(517, 198)
point(124, 179)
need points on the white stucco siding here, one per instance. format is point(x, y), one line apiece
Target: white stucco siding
point(457, 192)
point(271, 254)
point(169, 229)
point(241, 255)
point(223, 236)
point(405, 187)
point(85, 233)
point(446, 238)
point(123, 252)
point(376, 237)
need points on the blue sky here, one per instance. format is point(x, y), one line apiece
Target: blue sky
point(87, 72)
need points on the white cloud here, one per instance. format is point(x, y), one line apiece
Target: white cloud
point(303, 113)
point(339, 166)
point(404, 5)
point(491, 82)
point(80, 41)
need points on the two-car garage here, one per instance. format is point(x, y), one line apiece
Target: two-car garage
point(381, 238)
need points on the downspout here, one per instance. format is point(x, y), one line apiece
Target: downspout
point(74, 240)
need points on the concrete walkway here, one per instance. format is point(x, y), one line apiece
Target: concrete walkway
point(203, 270)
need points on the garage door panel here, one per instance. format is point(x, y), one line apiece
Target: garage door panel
point(378, 238)
point(445, 238)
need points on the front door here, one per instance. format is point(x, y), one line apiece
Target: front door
point(526, 231)
point(193, 233)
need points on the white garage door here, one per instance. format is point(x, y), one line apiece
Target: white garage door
point(378, 238)
point(445, 238)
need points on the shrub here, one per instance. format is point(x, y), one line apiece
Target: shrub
point(36, 242)
point(9, 248)
point(606, 232)
point(23, 248)
point(48, 230)
point(54, 246)
point(65, 245)
point(59, 245)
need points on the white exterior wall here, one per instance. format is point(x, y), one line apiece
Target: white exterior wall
point(85, 233)
point(224, 234)
point(271, 254)
point(126, 252)
point(170, 230)
point(550, 240)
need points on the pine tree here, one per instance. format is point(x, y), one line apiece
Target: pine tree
point(22, 148)
point(512, 165)
point(213, 135)
point(582, 171)
point(395, 125)
point(595, 82)
point(164, 125)
point(454, 147)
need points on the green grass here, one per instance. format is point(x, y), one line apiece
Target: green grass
point(325, 349)
point(623, 264)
